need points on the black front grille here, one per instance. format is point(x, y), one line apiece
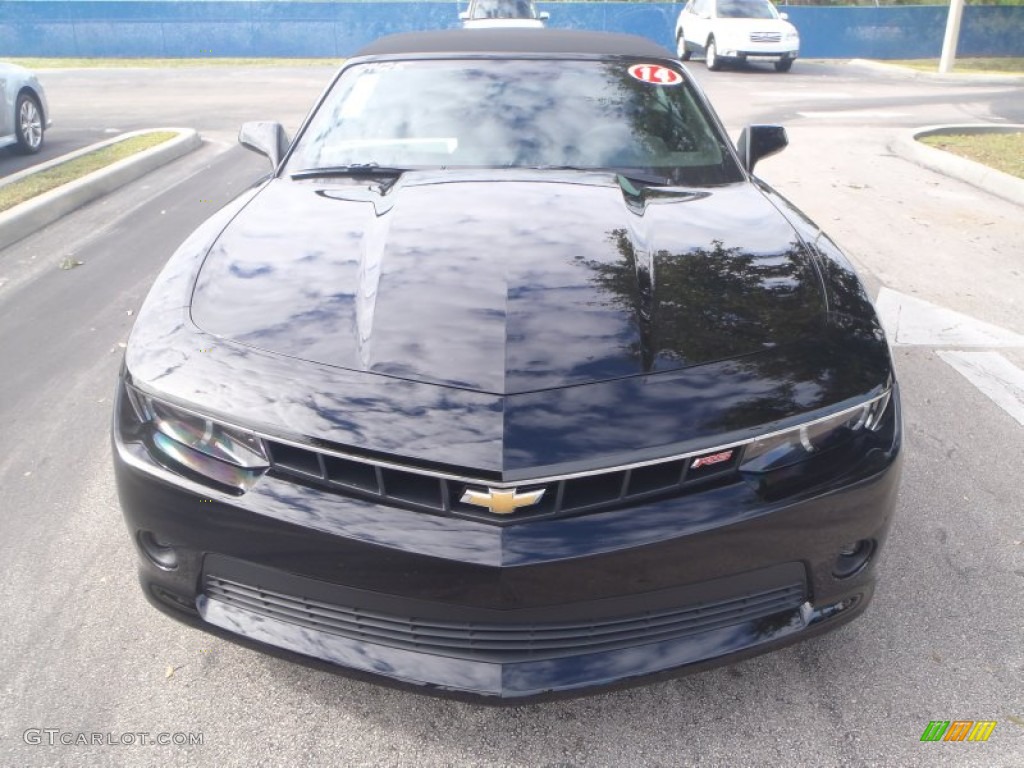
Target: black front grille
point(506, 642)
point(441, 492)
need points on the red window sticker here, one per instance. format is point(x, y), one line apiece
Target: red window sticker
point(655, 74)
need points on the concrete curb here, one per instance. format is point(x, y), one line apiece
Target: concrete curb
point(1004, 185)
point(32, 215)
point(960, 78)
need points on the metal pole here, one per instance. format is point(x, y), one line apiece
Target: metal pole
point(956, 11)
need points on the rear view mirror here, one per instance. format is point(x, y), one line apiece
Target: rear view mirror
point(784, 16)
point(760, 141)
point(543, 15)
point(266, 138)
point(464, 15)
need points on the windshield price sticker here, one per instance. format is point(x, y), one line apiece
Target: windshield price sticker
point(655, 74)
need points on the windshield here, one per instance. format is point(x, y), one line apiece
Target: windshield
point(503, 9)
point(746, 9)
point(515, 113)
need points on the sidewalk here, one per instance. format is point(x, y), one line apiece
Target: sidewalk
point(36, 213)
point(1004, 185)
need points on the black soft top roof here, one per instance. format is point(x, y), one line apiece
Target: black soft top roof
point(508, 41)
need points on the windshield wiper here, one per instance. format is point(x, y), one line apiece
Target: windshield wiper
point(638, 177)
point(634, 176)
point(356, 170)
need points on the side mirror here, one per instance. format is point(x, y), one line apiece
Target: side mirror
point(543, 15)
point(760, 141)
point(464, 15)
point(784, 16)
point(265, 138)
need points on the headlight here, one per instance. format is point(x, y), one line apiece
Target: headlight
point(229, 456)
point(784, 449)
point(793, 35)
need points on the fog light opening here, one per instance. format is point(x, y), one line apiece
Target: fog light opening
point(831, 610)
point(853, 557)
point(179, 602)
point(162, 555)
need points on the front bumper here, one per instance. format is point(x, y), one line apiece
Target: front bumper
point(754, 51)
point(506, 612)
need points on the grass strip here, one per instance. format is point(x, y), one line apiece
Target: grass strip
point(1002, 151)
point(204, 61)
point(37, 183)
point(1006, 65)
point(975, 64)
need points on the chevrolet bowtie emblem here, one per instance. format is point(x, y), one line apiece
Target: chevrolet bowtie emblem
point(501, 502)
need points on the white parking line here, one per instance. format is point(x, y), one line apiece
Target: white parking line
point(854, 113)
point(999, 379)
point(909, 321)
point(788, 95)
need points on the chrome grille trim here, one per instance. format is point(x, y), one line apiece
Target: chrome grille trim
point(499, 484)
point(547, 479)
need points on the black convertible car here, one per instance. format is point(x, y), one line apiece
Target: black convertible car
point(511, 379)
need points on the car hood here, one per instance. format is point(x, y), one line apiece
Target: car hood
point(7, 68)
point(15, 73)
point(746, 26)
point(525, 283)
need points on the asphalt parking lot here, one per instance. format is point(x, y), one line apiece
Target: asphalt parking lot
point(81, 651)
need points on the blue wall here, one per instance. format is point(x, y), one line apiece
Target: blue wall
point(167, 28)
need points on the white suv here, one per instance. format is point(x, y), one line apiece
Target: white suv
point(736, 30)
point(488, 14)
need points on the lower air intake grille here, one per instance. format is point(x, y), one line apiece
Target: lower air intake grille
point(509, 642)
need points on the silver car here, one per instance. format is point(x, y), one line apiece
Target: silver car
point(24, 112)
